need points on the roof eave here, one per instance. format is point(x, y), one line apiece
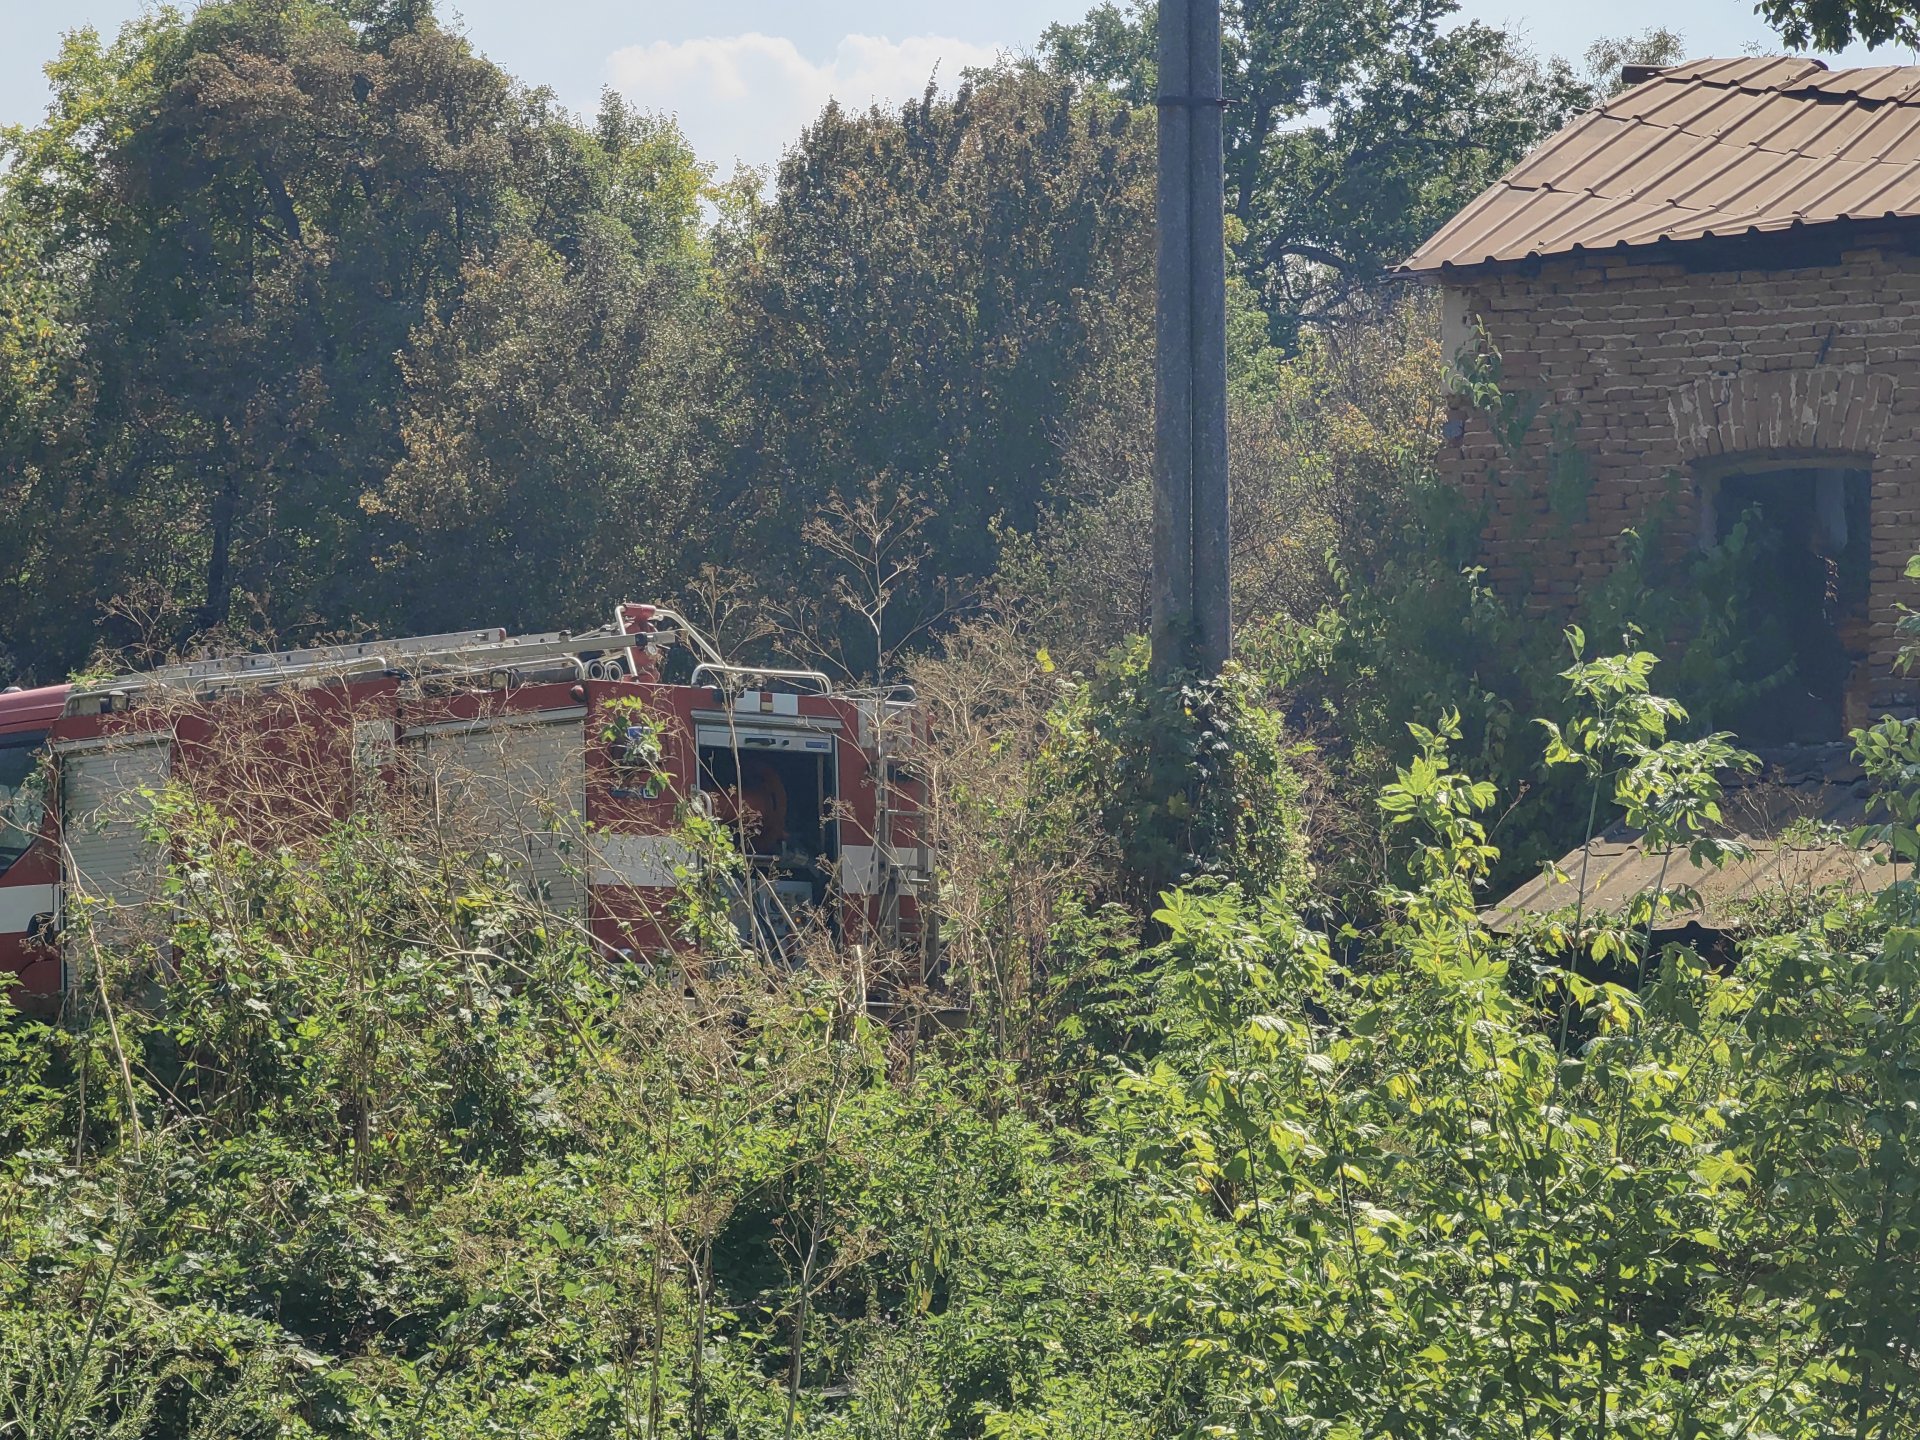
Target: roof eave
point(1661, 247)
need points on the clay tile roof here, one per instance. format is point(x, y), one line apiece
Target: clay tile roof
point(1709, 148)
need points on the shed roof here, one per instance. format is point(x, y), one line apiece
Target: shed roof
point(1712, 148)
point(1792, 818)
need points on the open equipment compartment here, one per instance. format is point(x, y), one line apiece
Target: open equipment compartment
point(773, 779)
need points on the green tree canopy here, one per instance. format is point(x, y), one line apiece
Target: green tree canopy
point(1836, 24)
point(928, 292)
point(228, 233)
point(1353, 129)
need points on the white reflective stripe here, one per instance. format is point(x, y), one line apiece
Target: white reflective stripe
point(755, 737)
point(912, 859)
point(858, 873)
point(373, 742)
point(19, 904)
point(643, 860)
point(129, 740)
point(724, 718)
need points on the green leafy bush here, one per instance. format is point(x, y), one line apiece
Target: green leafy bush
point(1190, 777)
point(392, 1151)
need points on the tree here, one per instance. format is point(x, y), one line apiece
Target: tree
point(1353, 130)
point(1835, 24)
point(548, 424)
point(1330, 448)
point(235, 226)
point(1608, 57)
point(926, 294)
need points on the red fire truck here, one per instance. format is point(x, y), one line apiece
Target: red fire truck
point(573, 757)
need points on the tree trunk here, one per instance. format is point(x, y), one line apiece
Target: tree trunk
point(219, 601)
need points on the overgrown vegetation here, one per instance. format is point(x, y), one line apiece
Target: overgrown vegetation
point(1230, 1114)
point(350, 1137)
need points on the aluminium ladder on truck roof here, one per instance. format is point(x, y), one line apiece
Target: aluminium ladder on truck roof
point(488, 648)
point(456, 651)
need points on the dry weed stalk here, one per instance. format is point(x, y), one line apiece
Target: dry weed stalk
point(1005, 861)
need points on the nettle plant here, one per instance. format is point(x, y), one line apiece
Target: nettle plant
point(1667, 789)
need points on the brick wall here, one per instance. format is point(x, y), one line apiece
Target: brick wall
point(1649, 377)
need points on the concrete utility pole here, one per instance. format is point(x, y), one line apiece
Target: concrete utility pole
point(1192, 611)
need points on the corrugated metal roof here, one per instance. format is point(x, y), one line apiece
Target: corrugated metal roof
point(1792, 817)
point(1709, 148)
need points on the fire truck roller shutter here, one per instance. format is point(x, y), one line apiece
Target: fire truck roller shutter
point(109, 855)
point(516, 785)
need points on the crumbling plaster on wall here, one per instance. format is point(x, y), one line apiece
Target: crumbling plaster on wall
point(1824, 408)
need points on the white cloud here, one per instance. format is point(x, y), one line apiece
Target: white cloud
point(747, 97)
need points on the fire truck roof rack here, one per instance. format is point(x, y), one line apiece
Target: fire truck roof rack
point(734, 678)
point(670, 626)
point(460, 651)
point(455, 652)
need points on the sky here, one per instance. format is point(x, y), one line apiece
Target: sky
point(744, 76)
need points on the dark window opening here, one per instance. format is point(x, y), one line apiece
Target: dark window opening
point(23, 796)
point(779, 803)
point(1808, 544)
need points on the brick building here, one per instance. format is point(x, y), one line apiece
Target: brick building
point(1704, 296)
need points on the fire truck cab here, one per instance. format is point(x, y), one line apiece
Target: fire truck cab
point(570, 756)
